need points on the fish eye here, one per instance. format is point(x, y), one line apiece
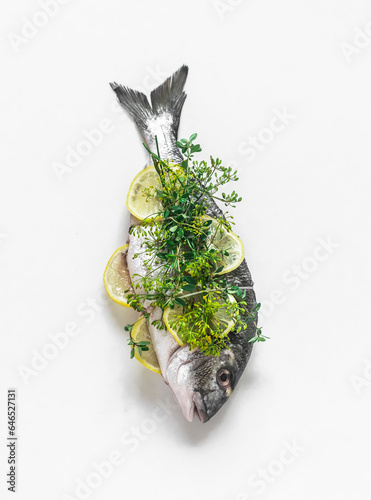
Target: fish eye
point(224, 378)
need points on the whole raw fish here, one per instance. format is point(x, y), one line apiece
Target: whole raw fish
point(201, 384)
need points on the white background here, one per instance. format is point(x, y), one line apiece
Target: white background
point(309, 386)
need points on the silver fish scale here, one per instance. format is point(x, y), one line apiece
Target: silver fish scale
point(162, 127)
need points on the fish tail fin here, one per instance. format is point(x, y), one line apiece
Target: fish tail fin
point(135, 103)
point(169, 98)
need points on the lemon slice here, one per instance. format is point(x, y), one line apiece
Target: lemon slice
point(170, 315)
point(137, 201)
point(116, 277)
point(148, 358)
point(221, 317)
point(221, 239)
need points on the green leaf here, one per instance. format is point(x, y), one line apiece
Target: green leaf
point(180, 301)
point(173, 229)
point(178, 209)
point(162, 255)
point(132, 353)
point(188, 288)
point(188, 255)
point(193, 137)
point(190, 280)
point(195, 148)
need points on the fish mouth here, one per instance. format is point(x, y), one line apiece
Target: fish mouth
point(190, 401)
point(200, 408)
point(194, 405)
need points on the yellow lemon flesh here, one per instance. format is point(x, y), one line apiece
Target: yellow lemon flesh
point(147, 181)
point(116, 277)
point(137, 202)
point(148, 358)
point(221, 239)
point(221, 318)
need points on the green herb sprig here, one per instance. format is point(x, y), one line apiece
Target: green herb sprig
point(141, 346)
point(183, 266)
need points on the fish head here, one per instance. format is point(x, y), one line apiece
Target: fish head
point(202, 384)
